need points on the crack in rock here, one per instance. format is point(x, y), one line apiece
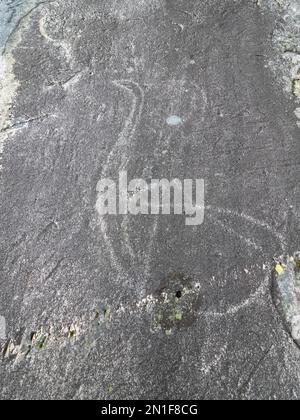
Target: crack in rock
point(176, 308)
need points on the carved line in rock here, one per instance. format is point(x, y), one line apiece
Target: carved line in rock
point(120, 155)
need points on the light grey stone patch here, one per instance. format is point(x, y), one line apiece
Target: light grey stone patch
point(174, 120)
point(14, 17)
point(286, 39)
point(2, 328)
point(286, 294)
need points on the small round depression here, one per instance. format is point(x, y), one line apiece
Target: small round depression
point(179, 294)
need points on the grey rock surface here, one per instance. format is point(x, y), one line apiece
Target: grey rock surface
point(142, 306)
point(286, 293)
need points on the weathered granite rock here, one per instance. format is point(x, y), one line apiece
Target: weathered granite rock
point(144, 306)
point(286, 292)
point(286, 39)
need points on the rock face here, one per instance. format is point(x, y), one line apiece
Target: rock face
point(286, 38)
point(286, 292)
point(145, 306)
